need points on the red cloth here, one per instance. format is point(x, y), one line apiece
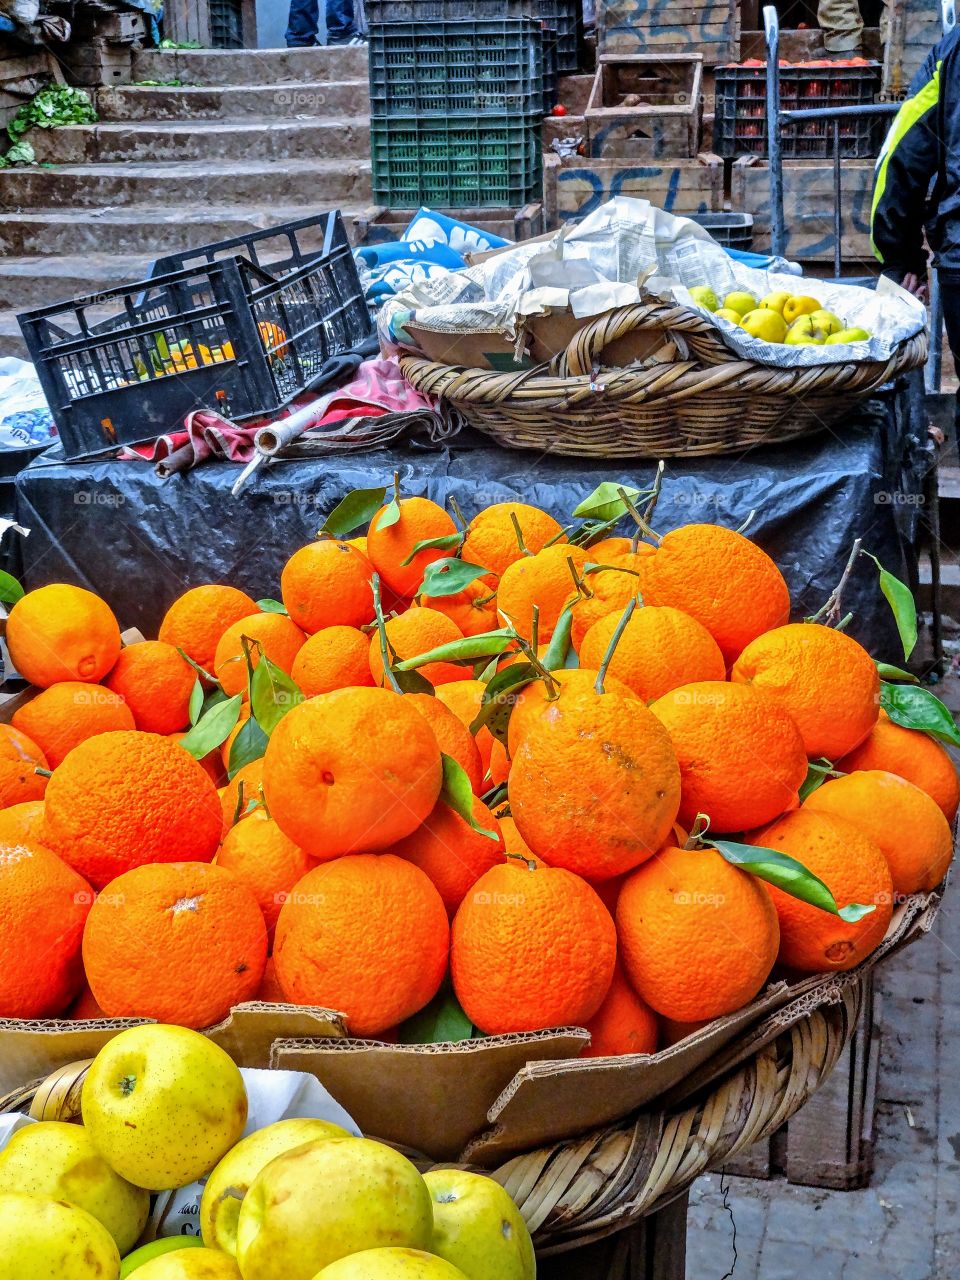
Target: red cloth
point(209, 435)
point(377, 388)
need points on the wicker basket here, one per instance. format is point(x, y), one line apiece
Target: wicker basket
point(577, 1191)
point(697, 396)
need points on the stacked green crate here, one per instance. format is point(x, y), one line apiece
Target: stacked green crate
point(456, 106)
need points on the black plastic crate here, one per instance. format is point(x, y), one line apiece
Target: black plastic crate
point(389, 11)
point(128, 364)
point(478, 162)
point(732, 230)
point(565, 17)
point(740, 123)
point(486, 67)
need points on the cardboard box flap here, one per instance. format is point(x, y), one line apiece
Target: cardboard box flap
point(431, 1098)
point(31, 1050)
point(549, 1102)
point(249, 1032)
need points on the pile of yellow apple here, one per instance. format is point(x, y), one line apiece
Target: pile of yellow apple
point(301, 1199)
point(796, 320)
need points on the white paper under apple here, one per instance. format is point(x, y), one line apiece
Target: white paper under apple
point(272, 1096)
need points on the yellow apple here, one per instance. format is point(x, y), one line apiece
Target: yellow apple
point(775, 301)
point(230, 1180)
point(163, 1104)
point(762, 323)
point(394, 1264)
point(826, 321)
point(704, 296)
point(725, 313)
point(847, 335)
point(799, 305)
point(327, 1199)
point(804, 333)
point(45, 1237)
point(59, 1160)
point(156, 1249)
point(740, 301)
point(190, 1264)
point(478, 1228)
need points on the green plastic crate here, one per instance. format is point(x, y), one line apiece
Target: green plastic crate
point(488, 67)
point(469, 162)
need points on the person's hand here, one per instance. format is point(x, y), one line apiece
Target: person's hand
point(916, 285)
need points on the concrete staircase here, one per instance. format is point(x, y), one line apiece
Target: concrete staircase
point(221, 143)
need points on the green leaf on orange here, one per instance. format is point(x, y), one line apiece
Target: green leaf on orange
point(457, 793)
point(213, 728)
point(789, 875)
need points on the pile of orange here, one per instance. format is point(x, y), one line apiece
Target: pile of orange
point(509, 784)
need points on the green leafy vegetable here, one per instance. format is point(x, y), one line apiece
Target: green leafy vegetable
point(913, 707)
point(54, 105)
point(457, 793)
point(213, 728)
point(788, 874)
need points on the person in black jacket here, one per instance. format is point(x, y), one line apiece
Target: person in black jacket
point(917, 185)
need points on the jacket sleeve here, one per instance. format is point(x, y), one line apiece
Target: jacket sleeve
point(905, 167)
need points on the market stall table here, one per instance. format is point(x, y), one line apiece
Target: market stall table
point(140, 541)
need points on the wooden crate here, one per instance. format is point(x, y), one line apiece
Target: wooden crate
point(655, 1249)
point(708, 27)
point(377, 225)
point(23, 72)
point(666, 118)
point(808, 203)
point(97, 63)
point(829, 1142)
point(912, 29)
point(574, 186)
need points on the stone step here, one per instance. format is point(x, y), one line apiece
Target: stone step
point(301, 101)
point(318, 184)
point(241, 66)
point(11, 339)
point(165, 141)
point(30, 282)
point(150, 231)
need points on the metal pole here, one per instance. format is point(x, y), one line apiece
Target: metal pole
point(771, 27)
point(934, 365)
point(837, 199)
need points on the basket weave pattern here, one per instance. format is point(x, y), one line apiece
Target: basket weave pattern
point(589, 1186)
point(698, 397)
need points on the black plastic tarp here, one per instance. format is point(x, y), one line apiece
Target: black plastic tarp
point(140, 541)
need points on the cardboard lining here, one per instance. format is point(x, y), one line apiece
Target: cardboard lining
point(432, 1098)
